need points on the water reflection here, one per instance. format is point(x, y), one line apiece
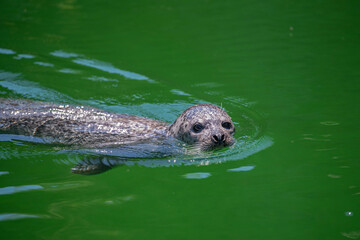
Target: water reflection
point(60, 53)
point(102, 79)
point(208, 85)
point(118, 200)
point(107, 67)
point(100, 65)
point(44, 64)
point(179, 92)
point(334, 176)
point(241, 169)
point(57, 209)
point(349, 214)
point(8, 75)
point(68, 70)
point(6, 51)
point(317, 138)
point(324, 149)
point(4, 173)
point(24, 188)
point(60, 186)
point(25, 56)
point(197, 175)
point(352, 235)
point(15, 216)
point(15, 83)
point(329, 123)
point(73, 221)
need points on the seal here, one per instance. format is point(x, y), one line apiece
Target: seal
point(204, 126)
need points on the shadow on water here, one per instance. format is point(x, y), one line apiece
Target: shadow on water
point(250, 137)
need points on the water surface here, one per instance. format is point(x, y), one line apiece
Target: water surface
point(286, 72)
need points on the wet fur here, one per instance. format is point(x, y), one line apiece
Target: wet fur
point(91, 127)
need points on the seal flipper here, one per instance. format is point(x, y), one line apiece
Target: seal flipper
point(92, 166)
point(89, 169)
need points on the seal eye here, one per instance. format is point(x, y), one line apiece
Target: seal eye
point(226, 125)
point(198, 127)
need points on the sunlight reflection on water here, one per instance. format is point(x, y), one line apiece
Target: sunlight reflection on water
point(12, 189)
point(26, 56)
point(15, 216)
point(241, 169)
point(107, 67)
point(6, 51)
point(4, 173)
point(198, 175)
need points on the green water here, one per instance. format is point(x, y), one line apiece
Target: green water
point(289, 68)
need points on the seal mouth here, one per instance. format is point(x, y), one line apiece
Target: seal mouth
point(215, 146)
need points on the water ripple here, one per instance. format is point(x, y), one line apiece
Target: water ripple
point(26, 56)
point(6, 51)
point(15, 83)
point(60, 53)
point(44, 64)
point(12, 189)
point(4, 173)
point(69, 70)
point(107, 67)
point(197, 175)
point(15, 216)
point(241, 169)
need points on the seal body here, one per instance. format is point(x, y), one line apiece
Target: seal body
point(76, 125)
point(206, 126)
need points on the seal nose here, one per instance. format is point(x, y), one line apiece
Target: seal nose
point(218, 138)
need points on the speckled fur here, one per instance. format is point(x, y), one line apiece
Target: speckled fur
point(211, 117)
point(86, 126)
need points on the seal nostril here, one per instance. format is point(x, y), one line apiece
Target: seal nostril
point(222, 138)
point(218, 138)
point(215, 138)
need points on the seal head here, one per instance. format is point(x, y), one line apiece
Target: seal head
point(205, 126)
